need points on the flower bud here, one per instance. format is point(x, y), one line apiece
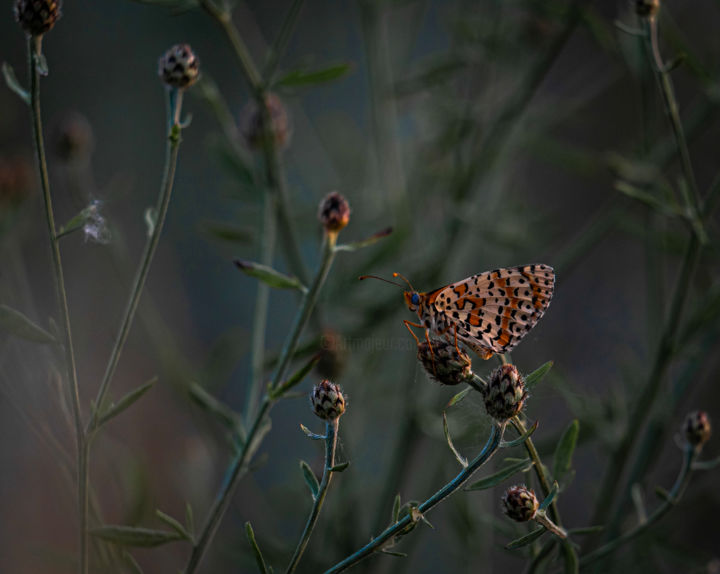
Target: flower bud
point(697, 428)
point(37, 16)
point(333, 355)
point(520, 503)
point(251, 123)
point(444, 363)
point(74, 138)
point(647, 8)
point(505, 393)
point(334, 212)
point(179, 67)
point(327, 400)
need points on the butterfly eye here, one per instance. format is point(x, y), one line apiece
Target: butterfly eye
point(415, 299)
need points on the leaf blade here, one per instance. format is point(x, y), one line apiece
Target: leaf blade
point(537, 375)
point(504, 473)
point(126, 402)
point(301, 78)
point(21, 326)
point(310, 479)
point(135, 536)
point(527, 539)
point(562, 461)
point(270, 276)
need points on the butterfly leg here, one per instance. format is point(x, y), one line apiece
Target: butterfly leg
point(409, 324)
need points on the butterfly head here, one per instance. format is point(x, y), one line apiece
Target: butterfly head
point(413, 300)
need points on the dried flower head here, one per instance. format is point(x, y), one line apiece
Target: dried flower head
point(37, 17)
point(16, 181)
point(444, 363)
point(520, 503)
point(697, 428)
point(334, 212)
point(251, 123)
point(505, 393)
point(74, 138)
point(179, 67)
point(647, 8)
point(95, 228)
point(327, 400)
point(333, 355)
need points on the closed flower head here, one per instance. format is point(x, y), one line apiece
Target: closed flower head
point(179, 67)
point(520, 503)
point(444, 362)
point(505, 393)
point(252, 125)
point(37, 16)
point(697, 428)
point(327, 400)
point(647, 8)
point(334, 212)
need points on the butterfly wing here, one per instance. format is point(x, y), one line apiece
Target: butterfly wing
point(493, 311)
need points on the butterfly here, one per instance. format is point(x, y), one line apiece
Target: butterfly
point(489, 312)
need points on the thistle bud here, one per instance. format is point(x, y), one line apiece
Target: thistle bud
point(444, 363)
point(334, 212)
point(179, 67)
point(251, 123)
point(333, 355)
point(37, 16)
point(697, 428)
point(327, 400)
point(647, 8)
point(505, 393)
point(520, 503)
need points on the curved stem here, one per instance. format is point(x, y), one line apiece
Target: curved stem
point(331, 430)
point(378, 542)
point(34, 53)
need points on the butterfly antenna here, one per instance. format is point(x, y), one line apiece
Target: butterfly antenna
point(380, 279)
point(404, 279)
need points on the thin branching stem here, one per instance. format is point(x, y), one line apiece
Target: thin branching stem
point(34, 55)
point(238, 465)
point(331, 432)
point(380, 541)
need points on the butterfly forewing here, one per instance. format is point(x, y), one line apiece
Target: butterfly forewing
point(495, 310)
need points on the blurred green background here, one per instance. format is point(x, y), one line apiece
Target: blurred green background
point(488, 134)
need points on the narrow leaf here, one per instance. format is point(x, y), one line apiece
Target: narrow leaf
point(340, 467)
point(223, 413)
point(13, 83)
point(262, 566)
point(131, 562)
point(131, 536)
point(124, 403)
point(79, 220)
point(41, 64)
point(150, 220)
point(527, 539)
point(396, 508)
point(365, 242)
point(393, 553)
point(562, 461)
point(550, 497)
point(522, 438)
point(270, 276)
point(311, 434)
point(459, 458)
point(296, 378)
point(502, 474)
point(189, 520)
point(310, 478)
point(459, 397)
point(226, 232)
point(297, 78)
point(174, 524)
point(20, 326)
point(537, 375)
point(660, 492)
point(706, 464)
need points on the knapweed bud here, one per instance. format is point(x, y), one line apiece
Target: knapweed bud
point(37, 16)
point(74, 138)
point(647, 8)
point(697, 428)
point(334, 212)
point(520, 503)
point(327, 400)
point(444, 363)
point(179, 67)
point(333, 355)
point(505, 393)
point(251, 123)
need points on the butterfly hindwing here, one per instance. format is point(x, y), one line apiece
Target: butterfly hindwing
point(495, 310)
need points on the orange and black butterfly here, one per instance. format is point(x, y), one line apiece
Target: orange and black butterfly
point(490, 312)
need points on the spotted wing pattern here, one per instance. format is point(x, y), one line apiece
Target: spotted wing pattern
point(493, 311)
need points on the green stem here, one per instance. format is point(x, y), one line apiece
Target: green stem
point(277, 49)
point(238, 465)
point(674, 496)
point(331, 431)
point(34, 53)
point(389, 533)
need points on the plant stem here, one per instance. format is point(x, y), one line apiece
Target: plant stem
point(331, 431)
point(239, 463)
point(34, 53)
point(379, 541)
point(674, 496)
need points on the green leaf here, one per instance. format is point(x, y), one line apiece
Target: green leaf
point(527, 539)
point(502, 474)
point(295, 379)
point(174, 524)
point(522, 438)
point(226, 232)
point(647, 198)
point(395, 515)
point(41, 65)
point(262, 566)
point(189, 520)
point(13, 83)
point(297, 78)
point(365, 242)
point(20, 326)
point(550, 497)
point(393, 553)
point(459, 397)
point(562, 461)
point(269, 276)
point(131, 562)
point(132, 536)
point(340, 467)
point(311, 434)
point(459, 458)
point(116, 408)
point(706, 464)
point(78, 221)
point(224, 414)
point(310, 478)
point(537, 375)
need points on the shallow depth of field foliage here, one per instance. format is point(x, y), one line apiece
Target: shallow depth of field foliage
point(208, 295)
